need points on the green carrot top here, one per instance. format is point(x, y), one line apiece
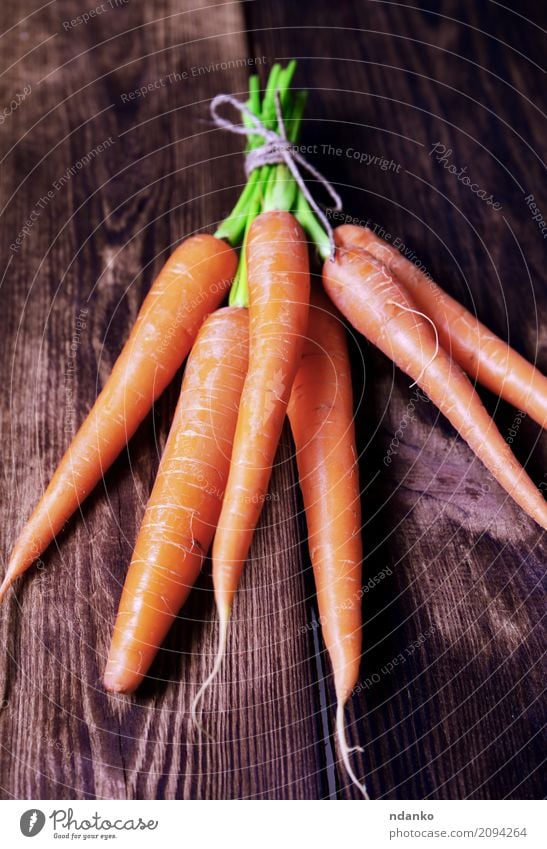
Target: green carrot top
point(271, 186)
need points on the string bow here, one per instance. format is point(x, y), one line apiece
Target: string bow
point(276, 149)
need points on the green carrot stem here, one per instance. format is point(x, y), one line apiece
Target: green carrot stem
point(282, 190)
point(233, 226)
point(316, 233)
point(239, 293)
point(294, 120)
point(284, 89)
point(270, 187)
point(254, 105)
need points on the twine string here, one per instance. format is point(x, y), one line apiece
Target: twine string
point(277, 149)
point(432, 323)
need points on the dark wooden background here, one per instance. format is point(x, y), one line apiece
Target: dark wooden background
point(461, 717)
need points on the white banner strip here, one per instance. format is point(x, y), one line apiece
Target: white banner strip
point(274, 824)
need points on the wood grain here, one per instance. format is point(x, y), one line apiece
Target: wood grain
point(449, 705)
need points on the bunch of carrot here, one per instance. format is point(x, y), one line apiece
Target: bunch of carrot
point(278, 349)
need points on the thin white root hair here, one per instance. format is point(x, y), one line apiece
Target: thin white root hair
point(432, 323)
point(221, 651)
point(346, 750)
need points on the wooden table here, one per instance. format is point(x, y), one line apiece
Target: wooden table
point(449, 702)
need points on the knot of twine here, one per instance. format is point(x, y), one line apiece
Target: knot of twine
point(276, 149)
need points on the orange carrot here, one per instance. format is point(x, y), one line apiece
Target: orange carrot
point(184, 505)
point(191, 284)
point(484, 356)
point(321, 416)
point(378, 305)
point(279, 286)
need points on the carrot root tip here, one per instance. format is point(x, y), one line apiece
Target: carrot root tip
point(200, 727)
point(113, 684)
point(4, 587)
point(346, 750)
point(221, 651)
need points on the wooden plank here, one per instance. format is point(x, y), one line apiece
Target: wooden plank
point(448, 702)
